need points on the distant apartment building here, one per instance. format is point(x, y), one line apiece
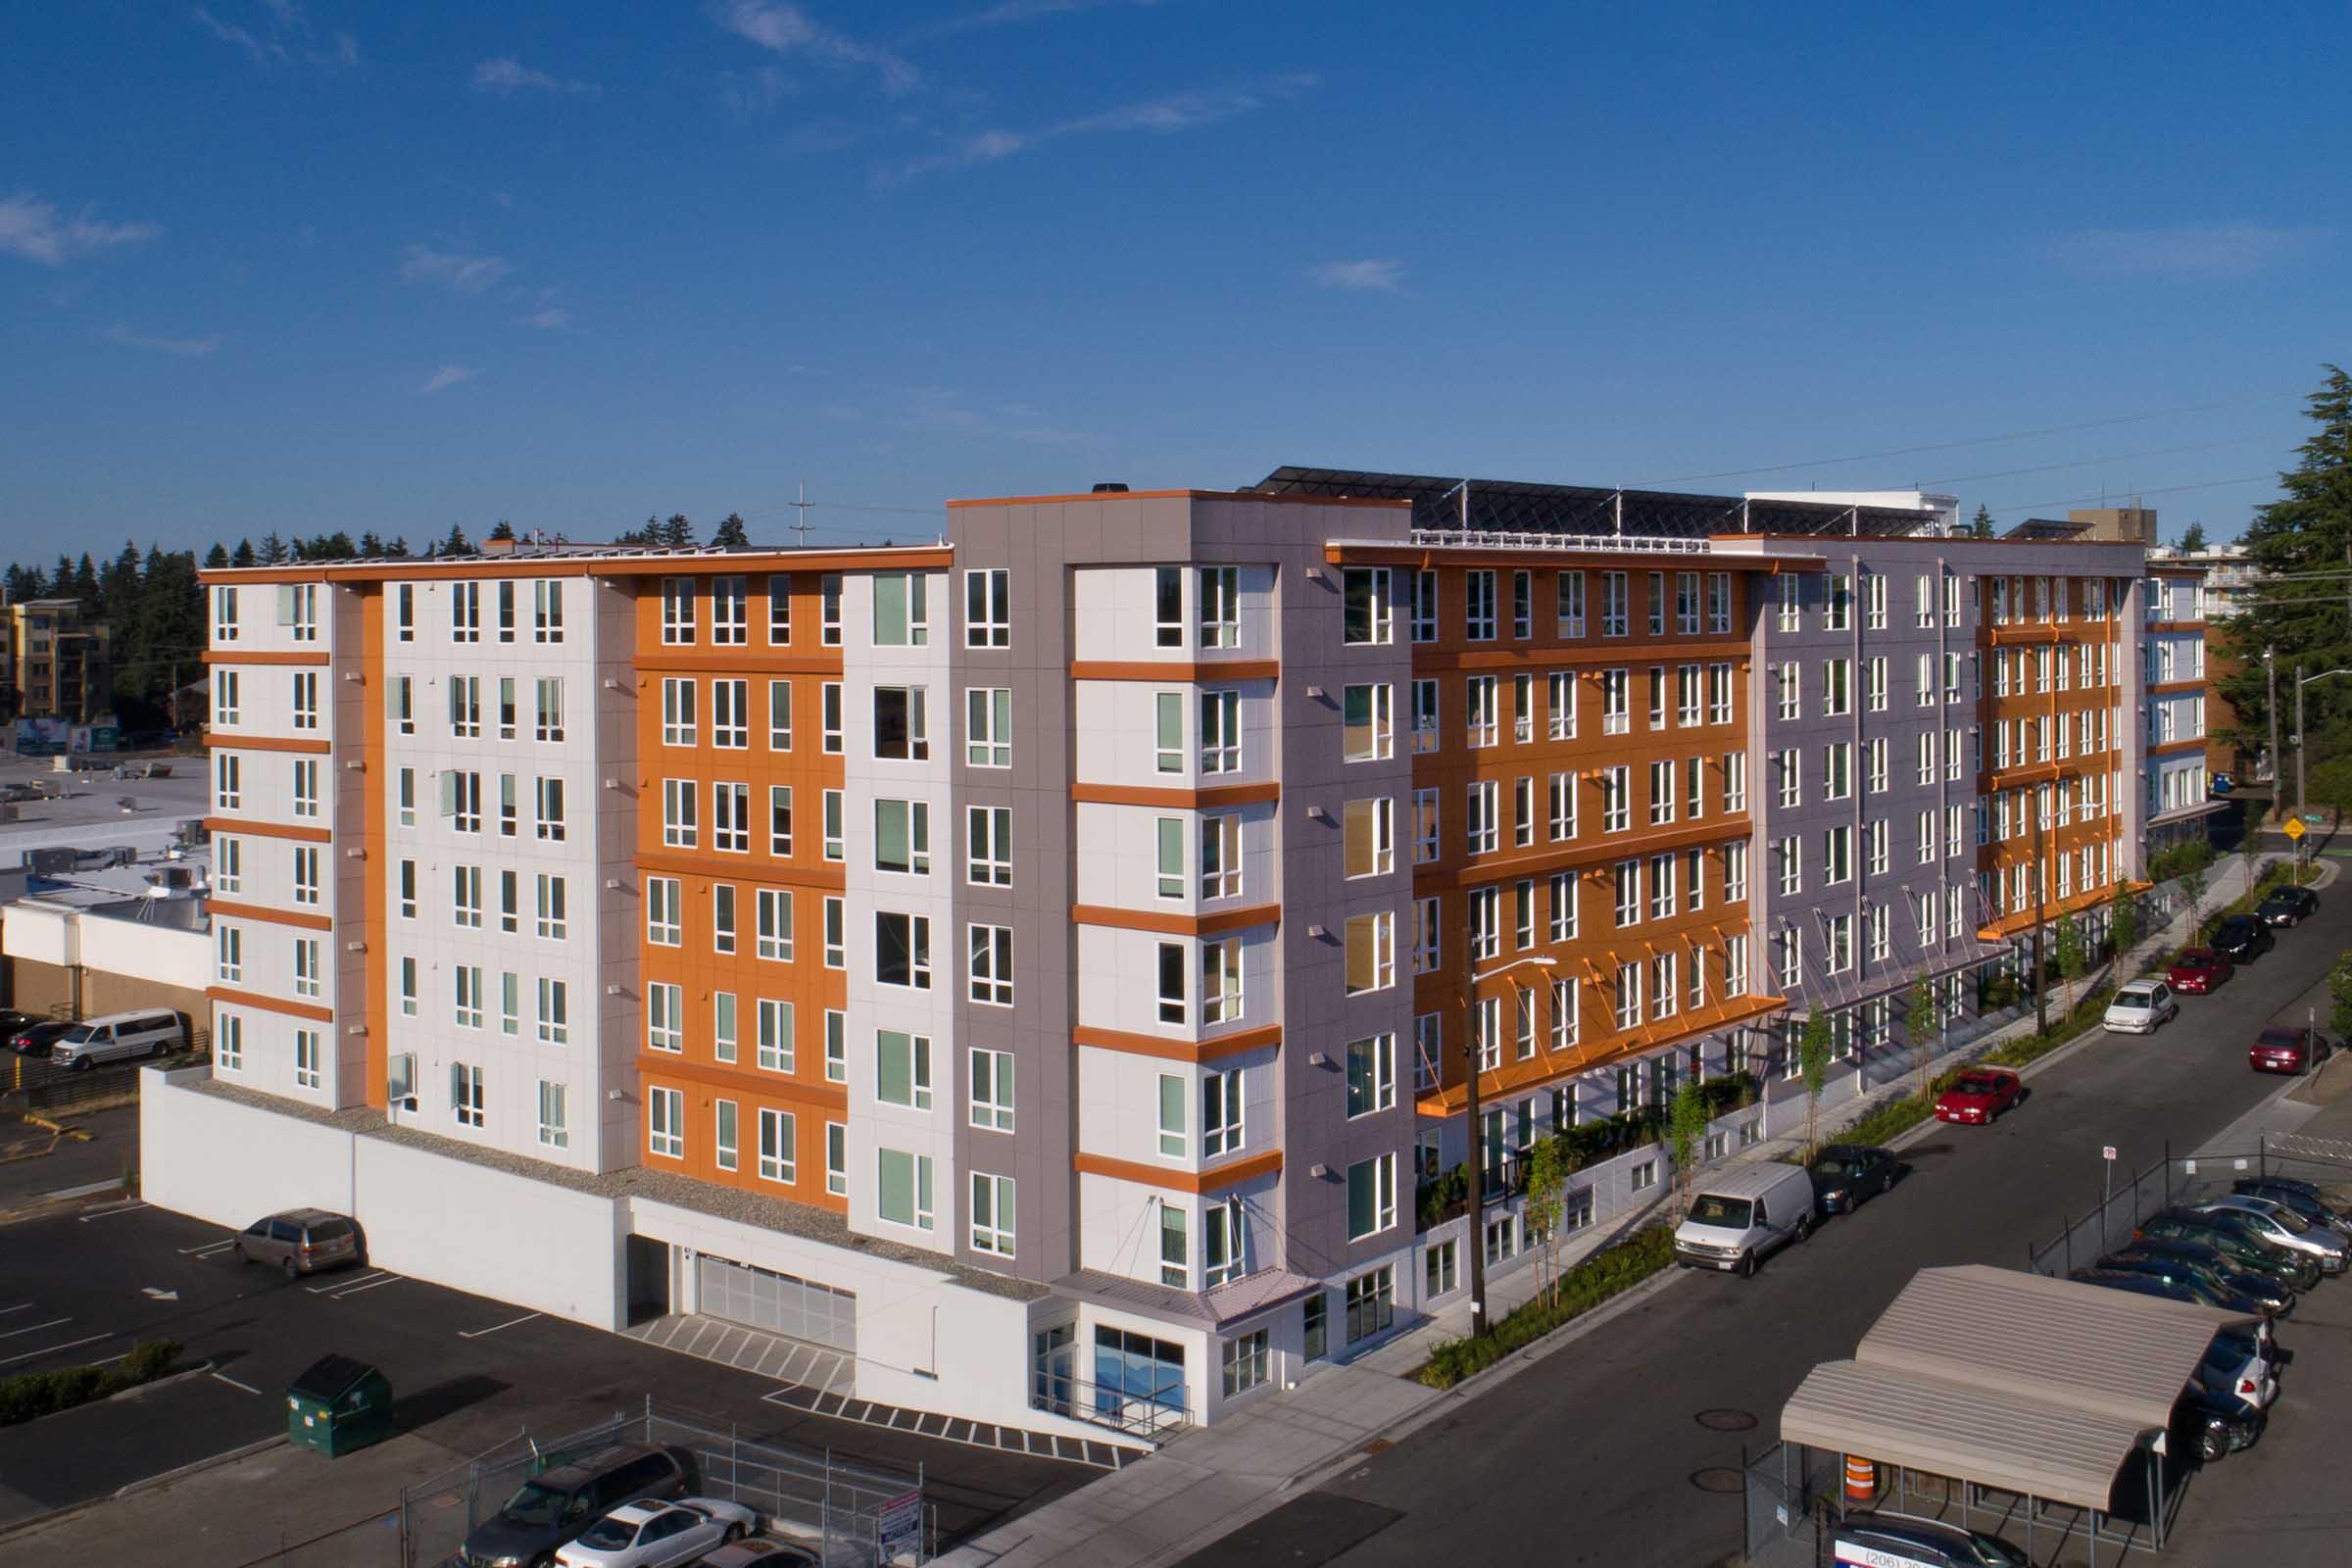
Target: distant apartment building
point(2233, 586)
point(57, 667)
point(1040, 967)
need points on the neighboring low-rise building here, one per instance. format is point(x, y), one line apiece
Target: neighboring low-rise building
point(59, 665)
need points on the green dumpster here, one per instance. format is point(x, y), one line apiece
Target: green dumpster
point(339, 1404)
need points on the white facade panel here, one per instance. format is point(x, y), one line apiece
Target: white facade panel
point(1116, 736)
point(1116, 615)
point(1118, 860)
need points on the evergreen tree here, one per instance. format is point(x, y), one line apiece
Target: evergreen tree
point(2195, 539)
point(61, 581)
point(2308, 531)
point(22, 583)
point(243, 555)
point(502, 530)
point(398, 549)
point(456, 543)
point(85, 585)
point(730, 534)
point(677, 532)
point(1980, 526)
point(370, 547)
point(119, 587)
point(217, 557)
point(274, 549)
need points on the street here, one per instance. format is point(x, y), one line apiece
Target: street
point(1626, 1449)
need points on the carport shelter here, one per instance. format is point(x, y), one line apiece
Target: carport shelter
point(2011, 1381)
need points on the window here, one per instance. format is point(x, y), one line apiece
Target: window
point(1616, 695)
point(1789, 858)
point(779, 716)
point(677, 610)
point(554, 922)
point(1422, 589)
point(1478, 605)
point(506, 612)
point(305, 966)
point(1371, 1074)
point(547, 610)
point(228, 1042)
point(723, 1037)
point(665, 1122)
point(836, 1158)
point(549, 818)
point(1686, 695)
point(771, 910)
point(992, 1090)
point(729, 610)
point(228, 864)
point(1224, 1257)
point(1175, 1256)
point(1221, 981)
point(229, 790)
point(903, 950)
point(903, 1190)
point(1368, 723)
point(992, 1214)
point(549, 721)
point(678, 813)
point(677, 712)
point(1616, 799)
point(298, 607)
point(664, 1018)
point(224, 614)
point(467, 987)
point(1371, 1302)
point(306, 696)
point(1426, 942)
point(987, 847)
point(306, 873)
point(408, 890)
point(229, 955)
point(903, 837)
point(836, 949)
point(465, 896)
point(730, 713)
point(725, 1136)
point(1371, 1201)
point(1220, 606)
point(837, 1047)
point(1662, 794)
point(1570, 586)
point(987, 607)
point(1657, 696)
point(1370, 837)
point(989, 973)
point(1482, 816)
point(1371, 952)
point(663, 922)
point(828, 610)
point(1523, 605)
point(779, 821)
point(1477, 709)
point(1173, 994)
point(1168, 731)
point(778, 1046)
point(1837, 770)
point(988, 727)
point(1220, 732)
point(829, 716)
point(1365, 608)
point(1788, 682)
point(305, 787)
point(554, 1013)
point(1485, 931)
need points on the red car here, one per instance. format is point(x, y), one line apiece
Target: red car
point(1979, 1095)
point(2199, 969)
point(2288, 1050)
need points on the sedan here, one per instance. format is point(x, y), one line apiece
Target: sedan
point(1979, 1095)
point(2198, 970)
point(35, 1038)
point(2287, 1229)
point(2241, 939)
point(1845, 1175)
point(2210, 1425)
point(2238, 1364)
point(758, 1552)
point(2140, 1008)
point(2302, 1197)
point(654, 1535)
point(2288, 906)
point(2200, 1284)
point(2270, 1294)
point(11, 1020)
point(2240, 1243)
point(2288, 1050)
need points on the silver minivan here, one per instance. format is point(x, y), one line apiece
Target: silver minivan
point(1739, 1216)
point(119, 1037)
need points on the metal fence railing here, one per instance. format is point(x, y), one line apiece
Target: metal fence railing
point(2109, 1223)
point(1135, 1413)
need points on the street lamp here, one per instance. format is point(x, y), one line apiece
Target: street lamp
point(1476, 1237)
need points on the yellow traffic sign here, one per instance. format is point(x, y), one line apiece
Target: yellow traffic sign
point(2295, 828)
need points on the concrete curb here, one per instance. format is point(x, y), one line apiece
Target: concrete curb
point(39, 1521)
point(186, 1374)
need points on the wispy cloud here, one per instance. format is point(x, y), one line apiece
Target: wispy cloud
point(1382, 275)
point(508, 75)
point(555, 318)
point(2186, 251)
point(1012, 12)
point(285, 37)
point(193, 348)
point(940, 409)
point(1163, 116)
point(39, 233)
point(449, 375)
point(467, 275)
point(787, 29)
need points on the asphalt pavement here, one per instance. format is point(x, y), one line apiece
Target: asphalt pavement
point(1625, 1447)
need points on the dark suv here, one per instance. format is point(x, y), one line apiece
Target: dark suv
point(550, 1509)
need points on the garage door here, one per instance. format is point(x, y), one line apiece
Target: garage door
point(780, 1303)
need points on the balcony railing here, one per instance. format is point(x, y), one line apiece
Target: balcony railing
point(1144, 1416)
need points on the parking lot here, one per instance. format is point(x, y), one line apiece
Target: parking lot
point(468, 1373)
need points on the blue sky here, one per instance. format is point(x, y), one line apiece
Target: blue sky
point(306, 266)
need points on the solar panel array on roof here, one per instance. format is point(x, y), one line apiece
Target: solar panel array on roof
point(2048, 528)
point(1511, 506)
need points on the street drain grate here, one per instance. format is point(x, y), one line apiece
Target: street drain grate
point(1725, 1420)
point(1717, 1478)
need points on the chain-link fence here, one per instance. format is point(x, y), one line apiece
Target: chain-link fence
point(2108, 1223)
point(1791, 1498)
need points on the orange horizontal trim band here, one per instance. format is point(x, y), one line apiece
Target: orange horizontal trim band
point(292, 1010)
point(1705, 833)
point(1589, 653)
point(268, 830)
point(1205, 798)
point(233, 742)
point(1403, 553)
point(1213, 1048)
point(1182, 495)
point(744, 868)
point(735, 659)
point(750, 1082)
point(229, 655)
point(1173, 671)
point(2160, 687)
point(1173, 924)
point(2196, 743)
point(2009, 925)
point(257, 911)
point(743, 563)
point(1214, 1179)
point(1549, 1067)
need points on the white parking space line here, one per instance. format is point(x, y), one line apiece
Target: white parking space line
point(494, 1328)
point(21, 1306)
point(108, 1211)
point(209, 1248)
point(358, 1290)
point(36, 1327)
point(223, 1377)
point(341, 1287)
point(34, 1355)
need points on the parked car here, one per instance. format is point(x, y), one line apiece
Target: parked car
point(2134, 1282)
point(35, 1038)
point(1738, 1217)
point(1845, 1175)
point(2241, 1243)
point(2210, 1425)
point(2321, 1207)
point(2179, 1275)
point(2198, 970)
point(2288, 906)
point(301, 1241)
point(2241, 939)
point(2278, 1049)
point(119, 1037)
point(548, 1510)
point(1902, 1537)
point(656, 1535)
point(2288, 1229)
point(759, 1551)
point(2140, 1008)
point(2238, 1364)
point(2221, 783)
point(11, 1020)
point(2273, 1295)
point(1979, 1095)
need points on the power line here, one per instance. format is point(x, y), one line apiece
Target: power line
point(2085, 462)
point(2110, 495)
point(1973, 441)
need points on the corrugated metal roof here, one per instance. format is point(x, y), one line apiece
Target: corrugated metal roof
point(2042, 1449)
point(2006, 1331)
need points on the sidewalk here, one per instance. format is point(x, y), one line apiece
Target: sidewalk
point(1211, 1481)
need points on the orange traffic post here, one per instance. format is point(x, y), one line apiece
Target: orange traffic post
point(1861, 1480)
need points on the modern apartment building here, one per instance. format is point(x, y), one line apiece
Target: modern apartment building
point(1040, 967)
point(57, 665)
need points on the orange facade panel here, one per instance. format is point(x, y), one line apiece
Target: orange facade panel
point(1213, 1048)
point(1212, 1180)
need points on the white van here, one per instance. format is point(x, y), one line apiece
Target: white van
point(1738, 1216)
point(119, 1037)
